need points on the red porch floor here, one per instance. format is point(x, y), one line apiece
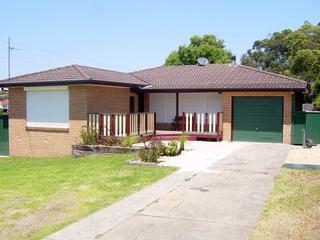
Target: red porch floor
point(172, 135)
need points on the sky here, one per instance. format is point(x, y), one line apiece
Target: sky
point(133, 35)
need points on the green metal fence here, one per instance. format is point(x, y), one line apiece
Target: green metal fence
point(4, 135)
point(310, 122)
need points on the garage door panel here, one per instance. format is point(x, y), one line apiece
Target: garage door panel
point(257, 119)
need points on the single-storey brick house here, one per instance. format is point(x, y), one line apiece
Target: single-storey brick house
point(48, 109)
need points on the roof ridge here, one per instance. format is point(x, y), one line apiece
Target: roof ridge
point(82, 71)
point(131, 74)
point(102, 69)
point(271, 73)
point(114, 72)
point(28, 74)
point(180, 65)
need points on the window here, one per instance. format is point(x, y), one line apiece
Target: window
point(47, 107)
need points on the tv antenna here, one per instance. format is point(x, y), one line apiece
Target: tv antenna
point(10, 49)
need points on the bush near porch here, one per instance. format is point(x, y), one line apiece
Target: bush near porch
point(41, 195)
point(293, 208)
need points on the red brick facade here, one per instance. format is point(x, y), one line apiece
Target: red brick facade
point(226, 101)
point(25, 141)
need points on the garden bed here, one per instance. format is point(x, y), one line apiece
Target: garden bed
point(82, 150)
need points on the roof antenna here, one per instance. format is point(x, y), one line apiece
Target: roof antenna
point(10, 49)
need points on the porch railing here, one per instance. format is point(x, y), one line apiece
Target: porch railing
point(122, 124)
point(210, 123)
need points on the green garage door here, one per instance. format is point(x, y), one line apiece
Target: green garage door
point(257, 119)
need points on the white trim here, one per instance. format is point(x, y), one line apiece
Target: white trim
point(53, 88)
point(48, 125)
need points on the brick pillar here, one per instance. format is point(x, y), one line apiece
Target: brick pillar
point(226, 103)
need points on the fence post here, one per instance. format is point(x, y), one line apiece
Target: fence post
point(206, 126)
point(218, 122)
point(146, 122)
point(183, 121)
point(139, 124)
point(194, 122)
point(155, 123)
point(100, 126)
point(112, 125)
point(128, 124)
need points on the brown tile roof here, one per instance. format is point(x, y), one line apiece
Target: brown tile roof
point(211, 76)
point(74, 74)
point(215, 76)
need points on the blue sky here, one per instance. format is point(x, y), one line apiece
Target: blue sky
point(132, 35)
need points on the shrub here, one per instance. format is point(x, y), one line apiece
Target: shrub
point(89, 135)
point(111, 141)
point(152, 152)
point(182, 139)
point(128, 141)
point(171, 149)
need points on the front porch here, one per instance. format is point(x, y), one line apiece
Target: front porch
point(194, 125)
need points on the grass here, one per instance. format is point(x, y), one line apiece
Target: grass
point(41, 195)
point(293, 208)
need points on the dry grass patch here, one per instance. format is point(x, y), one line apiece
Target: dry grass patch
point(293, 208)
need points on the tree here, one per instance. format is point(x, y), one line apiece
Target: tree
point(207, 46)
point(292, 53)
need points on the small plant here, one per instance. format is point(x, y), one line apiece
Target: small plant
point(111, 141)
point(128, 141)
point(152, 152)
point(182, 139)
point(171, 149)
point(89, 135)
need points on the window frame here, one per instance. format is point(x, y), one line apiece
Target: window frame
point(50, 125)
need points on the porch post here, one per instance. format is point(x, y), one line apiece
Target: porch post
point(154, 123)
point(183, 121)
point(177, 111)
point(128, 124)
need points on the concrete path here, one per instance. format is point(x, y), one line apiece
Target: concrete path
point(220, 200)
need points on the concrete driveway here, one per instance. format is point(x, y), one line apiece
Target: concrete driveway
point(220, 200)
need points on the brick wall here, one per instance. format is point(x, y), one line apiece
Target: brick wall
point(226, 101)
point(110, 99)
point(53, 142)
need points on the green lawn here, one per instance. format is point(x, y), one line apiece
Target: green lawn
point(41, 195)
point(293, 208)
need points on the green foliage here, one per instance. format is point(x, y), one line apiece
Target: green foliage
point(182, 139)
point(128, 141)
point(171, 149)
point(89, 135)
point(292, 53)
point(111, 141)
point(207, 46)
point(1, 111)
point(152, 152)
point(3, 97)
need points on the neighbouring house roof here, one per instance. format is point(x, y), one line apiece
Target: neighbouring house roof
point(215, 76)
point(184, 77)
point(73, 74)
point(4, 103)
